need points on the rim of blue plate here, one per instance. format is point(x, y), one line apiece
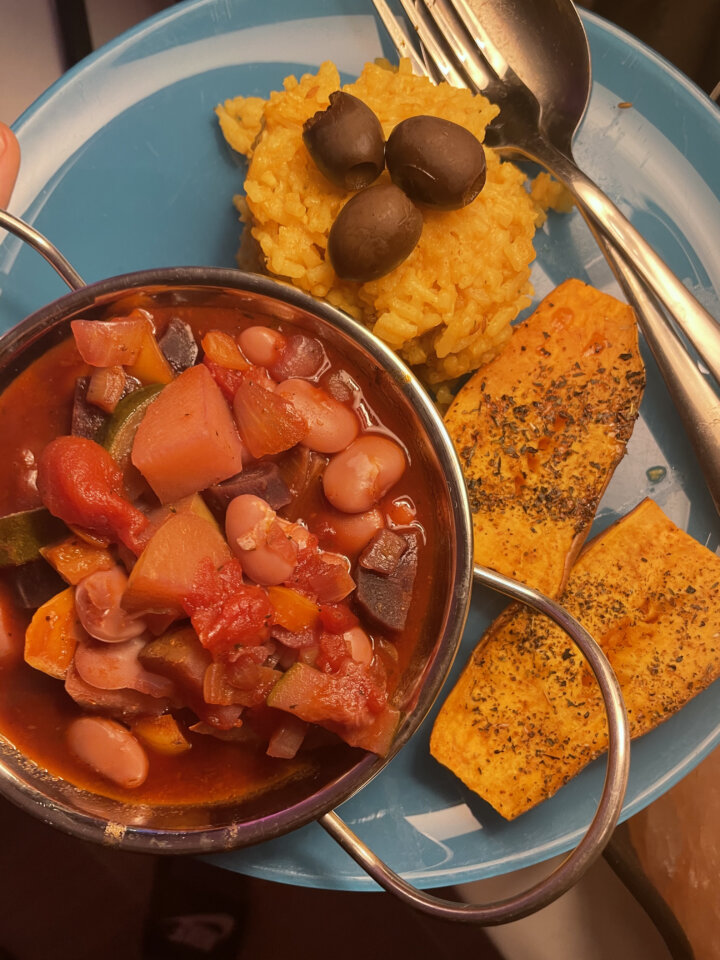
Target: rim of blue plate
point(697, 100)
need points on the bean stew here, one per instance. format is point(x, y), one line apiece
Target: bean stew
point(218, 540)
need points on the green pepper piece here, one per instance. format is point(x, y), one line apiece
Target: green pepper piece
point(120, 430)
point(23, 534)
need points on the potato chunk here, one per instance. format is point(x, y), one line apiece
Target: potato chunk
point(187, 439)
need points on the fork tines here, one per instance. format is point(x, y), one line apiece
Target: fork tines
point(452, 42)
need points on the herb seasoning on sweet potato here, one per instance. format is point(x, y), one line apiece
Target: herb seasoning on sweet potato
point(540, 430)
point(526, 714)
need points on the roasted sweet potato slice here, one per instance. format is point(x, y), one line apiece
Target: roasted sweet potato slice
point(526, 714)
point(541, 428)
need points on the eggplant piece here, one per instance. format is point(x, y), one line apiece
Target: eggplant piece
point(181, 657)
point(384, 552)
point(87, 419)
point(178, 345)
point(263, 480)
point(22, 535)
point(387, 598)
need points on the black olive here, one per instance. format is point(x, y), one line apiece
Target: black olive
point(436, 162)
point(373, 233)
point(346, 142)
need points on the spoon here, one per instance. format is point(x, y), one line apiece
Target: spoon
point(549, 52)
point(533, 60)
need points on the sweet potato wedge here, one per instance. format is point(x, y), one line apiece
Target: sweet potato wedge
point(527, 715)
point(541, 428)
point(53, 634)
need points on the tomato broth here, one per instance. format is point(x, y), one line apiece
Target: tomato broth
point(36, 710)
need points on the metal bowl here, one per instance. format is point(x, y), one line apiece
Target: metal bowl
point(333, 774)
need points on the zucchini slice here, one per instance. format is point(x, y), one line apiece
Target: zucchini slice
point(23, 534)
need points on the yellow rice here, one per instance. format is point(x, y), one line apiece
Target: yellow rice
point(447, 308)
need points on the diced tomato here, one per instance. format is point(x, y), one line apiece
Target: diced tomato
point(323, 575)
point(213, 584)
point(337, 618)
point(333, 652)
point(268, 422)
point(242, 620)
point(368, 680)
point(352, 698)
point(229, 614)
point(110, 343)
point(228, 380)
point(80, 483)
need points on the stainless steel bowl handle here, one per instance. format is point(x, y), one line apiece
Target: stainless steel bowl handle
point(598, 833)
point(43, 246)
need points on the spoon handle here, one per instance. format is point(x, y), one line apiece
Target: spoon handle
point(701, 329)
point(43, 246)
point(693, 395)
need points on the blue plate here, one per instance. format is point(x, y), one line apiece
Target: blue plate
point(124, 168)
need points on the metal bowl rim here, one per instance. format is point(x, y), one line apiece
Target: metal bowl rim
point(232, 835)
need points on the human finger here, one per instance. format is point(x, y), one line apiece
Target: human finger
point(9, 163)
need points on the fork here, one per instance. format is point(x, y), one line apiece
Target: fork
point(444, 27)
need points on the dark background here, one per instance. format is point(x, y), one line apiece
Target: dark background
point(67, 900)
point(685, 32)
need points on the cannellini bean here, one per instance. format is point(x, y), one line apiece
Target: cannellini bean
point(262, 543)
point(261, 345)
point(116, 667)
point(332, 425)
point(98, 599)
point(350, 532)
point(359, 476)
point(361, 648)
point(109, 749)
